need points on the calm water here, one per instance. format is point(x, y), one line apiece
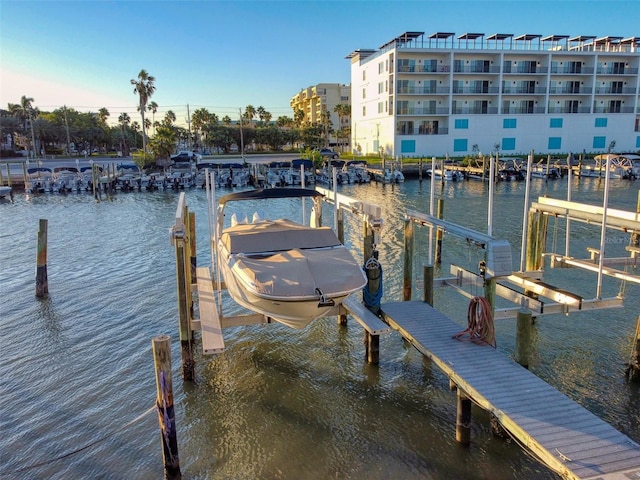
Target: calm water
point(76, 368)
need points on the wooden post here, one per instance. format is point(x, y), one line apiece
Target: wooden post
point(439, 234)
point(523, 337)
point(548, 167)
point(427, 288)
point(408, 260)
point(372, 348)
point(183, 282)
point(164, 404)
point(340, 224)
point(463, 419)
point(490, 293)
point(192, 245)
point(420, 170)
point(42, 282)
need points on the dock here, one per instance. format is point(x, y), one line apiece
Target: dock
point(564, 436)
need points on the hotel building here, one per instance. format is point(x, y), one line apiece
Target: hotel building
point(471, 93)
point(314, 101)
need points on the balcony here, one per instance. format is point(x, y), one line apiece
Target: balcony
point(582, 90)
point(616, 71)
point(424, 90)
point(424, 69)
point(509, 90)
point(572, 70)
point(522, 110)
point(556, 110)
point(526, 70)
point(474, 111)
point(613, 110)
point(418, 111)
point(609, 90)
point(433, 131)
point(475, 90)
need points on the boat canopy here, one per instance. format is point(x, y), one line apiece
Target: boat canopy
point(302, 161)
point(276, 236)
point(265, 193)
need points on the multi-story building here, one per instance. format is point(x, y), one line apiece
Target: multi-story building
point(314, 101)
point(443, 94)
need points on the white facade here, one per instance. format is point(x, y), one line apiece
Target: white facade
point(443, 94)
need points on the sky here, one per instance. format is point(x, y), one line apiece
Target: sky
point(225, 55)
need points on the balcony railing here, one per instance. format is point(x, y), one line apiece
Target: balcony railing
point(569, 110)
point(613, 110)
point(569, 70)
point(471, 69)
point(423, 90)
point(423, 69)
point(416, 111)
point(457, 90)
point(509, 90)
point(522, 110)
point(414, 131)
point(528, 70)
point(616, 71)
point(581, 90)
point(474, 111)
point(615, 90)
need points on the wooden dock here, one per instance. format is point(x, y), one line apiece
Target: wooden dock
point(564, 436)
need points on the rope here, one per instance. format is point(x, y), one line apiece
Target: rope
point(78, 450)
point(480, 328)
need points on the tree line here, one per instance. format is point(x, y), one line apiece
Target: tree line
point(67, 131)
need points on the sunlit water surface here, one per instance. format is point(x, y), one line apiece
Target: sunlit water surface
point(77, 368)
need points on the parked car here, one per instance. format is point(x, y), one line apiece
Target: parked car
point(185, 157)
point(327, 152)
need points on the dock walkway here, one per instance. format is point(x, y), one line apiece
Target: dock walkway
point(567, 438)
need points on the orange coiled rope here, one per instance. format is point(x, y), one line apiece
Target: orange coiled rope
point(480, 327)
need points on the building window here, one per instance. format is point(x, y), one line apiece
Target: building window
point(509, 123)
point(428, 127)
point(404, 128)
point(380, 107)
point(555, 143)
point(364, 93)
point(364, 75)
point(381, 67)
point(601, 122)
point(637, 142)
point(364, 111)
point(380, 87)
point(460, 145)
point(508, 144)
point(599, 142)
point(555, 123)
point(407, 146)
point(462, 123)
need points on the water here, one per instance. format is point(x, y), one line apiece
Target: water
point(77, 367)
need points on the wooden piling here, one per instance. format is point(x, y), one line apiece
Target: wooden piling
point(184, 305)
point(408, 259)
point(633, 368)
point(427, 288)
point(523, 337)
point(439, 233)
point(192, 246)
point(463, 418)
point(42, 282)
point(164, 403)
point(420, 170)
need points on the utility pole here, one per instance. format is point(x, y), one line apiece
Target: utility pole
point(66, 125)
point(188, 128)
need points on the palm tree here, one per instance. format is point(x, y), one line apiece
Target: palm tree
point(169, 118)
point(26, 112)
point(144, 88)
point(249, 113)
point(153, 108)
point(124, 119)
point(162, 145)
point(103, 114)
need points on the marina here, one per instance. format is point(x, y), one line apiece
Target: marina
point(340, 398)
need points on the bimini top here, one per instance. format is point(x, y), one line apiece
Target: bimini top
point(262, 193)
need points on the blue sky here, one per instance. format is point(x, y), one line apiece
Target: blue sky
point(224, 55)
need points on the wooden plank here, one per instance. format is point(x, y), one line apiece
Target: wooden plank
point(566, 437)
point(365, 317)
point(212, 339)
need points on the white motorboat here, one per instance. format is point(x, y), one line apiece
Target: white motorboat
point(284, 270)
point(449, 175)
point(5, 190)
